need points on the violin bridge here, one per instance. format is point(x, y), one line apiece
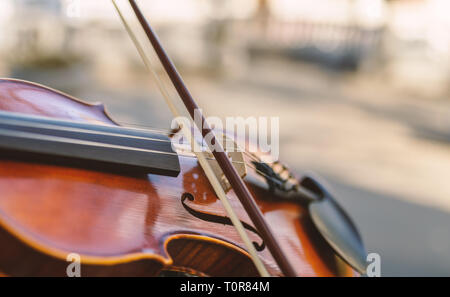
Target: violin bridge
point(237, 158)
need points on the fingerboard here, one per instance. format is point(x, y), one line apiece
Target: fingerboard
point(69, 143)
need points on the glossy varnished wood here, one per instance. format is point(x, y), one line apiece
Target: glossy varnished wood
point(123, 225)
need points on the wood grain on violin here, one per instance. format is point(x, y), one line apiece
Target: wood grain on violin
point(133, 225)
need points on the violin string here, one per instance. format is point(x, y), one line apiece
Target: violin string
point(263, 174)
point(203, 149)
point(145, 127)
point(157, 131)
point(167, 132)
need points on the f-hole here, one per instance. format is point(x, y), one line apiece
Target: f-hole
point(219, 219)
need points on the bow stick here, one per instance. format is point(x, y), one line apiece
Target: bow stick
point(224, 162)
point(199, 154)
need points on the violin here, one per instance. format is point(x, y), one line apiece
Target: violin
point(75, 182)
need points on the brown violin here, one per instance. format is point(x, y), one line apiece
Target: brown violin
point(74, 183)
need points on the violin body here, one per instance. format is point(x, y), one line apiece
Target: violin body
point(134, 225)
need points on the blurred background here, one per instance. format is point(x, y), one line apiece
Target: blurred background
point(362, 89)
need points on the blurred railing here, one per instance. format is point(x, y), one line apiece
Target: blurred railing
point(339, 46)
